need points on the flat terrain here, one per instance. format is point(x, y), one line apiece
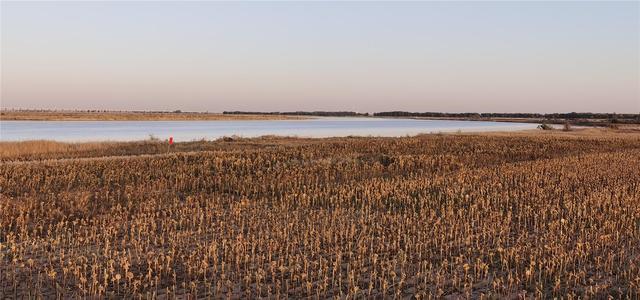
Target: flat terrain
point(131, 116)
point(573, 122)
point(501, 215)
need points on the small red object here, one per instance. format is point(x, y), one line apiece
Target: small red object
point(170, 140)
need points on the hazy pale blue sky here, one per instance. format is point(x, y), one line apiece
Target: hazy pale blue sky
point(363, 56)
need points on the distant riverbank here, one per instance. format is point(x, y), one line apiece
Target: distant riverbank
point(572, 122)
point(574, 119)
point(580, 119)
point(27, 115)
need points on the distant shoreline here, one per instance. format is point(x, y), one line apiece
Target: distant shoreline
point(574, 122)
point(596, 120)
point(132, 116)
point(590, 119)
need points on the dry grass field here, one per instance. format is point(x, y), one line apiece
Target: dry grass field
point(435, 216)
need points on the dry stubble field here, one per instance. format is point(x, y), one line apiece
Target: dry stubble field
point(433, 216)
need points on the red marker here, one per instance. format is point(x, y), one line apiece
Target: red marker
point(170, 140)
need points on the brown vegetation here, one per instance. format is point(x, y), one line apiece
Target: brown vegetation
point(429, 216)
point(37, 115)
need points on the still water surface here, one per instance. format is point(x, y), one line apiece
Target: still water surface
point(72, 131)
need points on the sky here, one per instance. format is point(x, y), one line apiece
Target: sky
point(356, 56)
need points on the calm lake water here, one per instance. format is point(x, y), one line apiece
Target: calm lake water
point(195, 130)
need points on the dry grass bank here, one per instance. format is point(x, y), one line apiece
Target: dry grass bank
point(131, 116)
point(45, 150)
point(41, 150)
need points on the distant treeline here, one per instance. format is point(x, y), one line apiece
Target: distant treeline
point(301, 113)
point(567, 116)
